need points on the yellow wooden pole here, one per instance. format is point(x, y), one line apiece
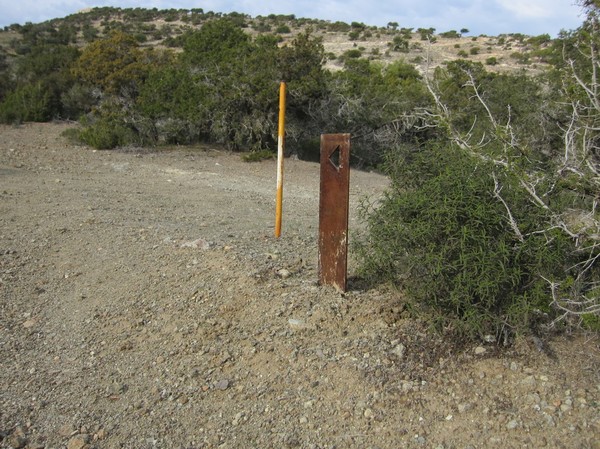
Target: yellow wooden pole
point(280, 147)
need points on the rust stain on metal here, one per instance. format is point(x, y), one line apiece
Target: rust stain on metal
point(333, 210)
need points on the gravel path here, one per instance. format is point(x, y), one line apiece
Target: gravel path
point(144, 303)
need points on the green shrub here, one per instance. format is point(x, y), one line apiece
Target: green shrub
point(73, 135)
point(105, 136)
point(452, 34)
point(262, 27)
point(308, 149)
point(113, 63)
point(590, 322)
point(339, 27)
point(283, 29)
point(258, 156)
point(400, 44)
point(90, 33)
point(442, 235)
point(30, 103)
point(76, 101)
point(105, 133)
point(351, 54)
point(521, 58)
point(426, 33)
point(537, 41)
point(353, 35)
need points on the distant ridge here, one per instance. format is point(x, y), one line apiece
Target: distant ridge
point(424, 48)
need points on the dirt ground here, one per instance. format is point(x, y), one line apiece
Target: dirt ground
point(146, 304)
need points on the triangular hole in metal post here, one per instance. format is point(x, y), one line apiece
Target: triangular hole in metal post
point(334, 158)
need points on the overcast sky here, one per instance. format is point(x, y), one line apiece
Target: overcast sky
point(491, 17)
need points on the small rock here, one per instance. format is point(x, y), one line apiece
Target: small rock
point(296, 324)
point(223, 384)
point(513, 424)
point(533, 398)
point(101, 434)
point(17, 439)
point(462, 408)
point(368, 413)
point(36, 446)
point(565, 407)
point(407, 386)
point(197, 244)
point(17, 442)
point(420, 440)
point(529, 380)
point(78, 442)
point(480, 350)
point(66, 431)
point(238, 417)
point(399, 350)
point(283, 273)
point(549, 420)
point(29, 323)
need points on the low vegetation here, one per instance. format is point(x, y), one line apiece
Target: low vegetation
point(490, 226)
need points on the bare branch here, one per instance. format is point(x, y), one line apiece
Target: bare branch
point(472, 84)
point(511, 219)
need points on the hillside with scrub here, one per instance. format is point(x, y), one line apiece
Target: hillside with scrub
point(145, 303)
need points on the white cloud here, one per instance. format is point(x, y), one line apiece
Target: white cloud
point(529, 9)
point(22, 11)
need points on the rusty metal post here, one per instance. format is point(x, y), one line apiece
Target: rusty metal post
point(333, 210)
